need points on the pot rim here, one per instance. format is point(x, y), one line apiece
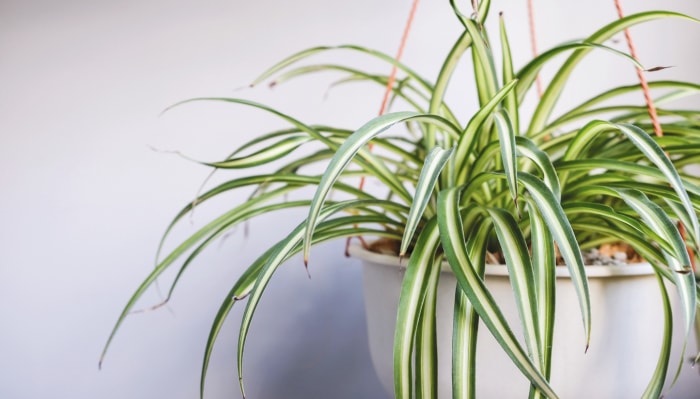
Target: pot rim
point(592, 271)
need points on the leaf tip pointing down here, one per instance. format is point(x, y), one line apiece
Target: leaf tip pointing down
point(240, 384)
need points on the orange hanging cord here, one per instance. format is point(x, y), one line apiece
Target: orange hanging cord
point(533, 40)
point(640, 75)
point(653, 115)
point(394, 70)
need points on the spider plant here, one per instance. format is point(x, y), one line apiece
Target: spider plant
point(525, 184)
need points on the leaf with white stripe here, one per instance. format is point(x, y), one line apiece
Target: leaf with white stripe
point(657, 156)
point(270, 153)
point(527, 148)
point(648, 147)
point(470, 134)
point(413, 289)
point(506, 138)
point(429, 175)
point(282, 252)
point(465, 326)
point(510, 103)
point(346, 153)
point(547, 102)
point(678, 260)
point(514, 249)
point(563, 235)
point(528, 74)
point(656, 384)
point(426, 339)
point(452, 237)
point(486, 78)
point(465, 319)
point(544, 271)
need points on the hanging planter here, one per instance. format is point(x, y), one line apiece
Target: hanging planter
point(627, 324)
point(529, 181)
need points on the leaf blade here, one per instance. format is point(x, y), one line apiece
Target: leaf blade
point(430, 173)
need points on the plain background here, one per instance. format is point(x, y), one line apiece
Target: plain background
point(87, 186)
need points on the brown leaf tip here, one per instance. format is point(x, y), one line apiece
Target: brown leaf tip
point(658, 68)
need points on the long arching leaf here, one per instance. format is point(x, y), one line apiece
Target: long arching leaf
point(413, 289)
point(346, 153)
point(563, 234)
point(452, 237)
point(429, 176)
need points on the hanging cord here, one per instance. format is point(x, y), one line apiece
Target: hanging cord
point(652, 111)
point(394, 70)
point(387, 95)
point(533, 41)
point(640, 74)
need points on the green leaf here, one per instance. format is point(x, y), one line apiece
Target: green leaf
point(413, 290)
point(682, 87)
point(301, 55)
point(465, 326)
point(648, 147)
point(563, 234)
point(546, 104)
point(441, 85)
point(506, 138)
point(470, 134)
point(510, 103)
point(619, 220)
point(434, 163)
point(486, 78)
point(263, 156)
point(426, 339)
point(678, 260)
point(528, 74)
point(466, 320)
point(452, 237)
point(514, 248)
point(282, 251)
point(544, 272)
point(657, 156)
point(526, 148)
point(656, 384)
point(246, 281)
point(346, 153)
point(239, 290)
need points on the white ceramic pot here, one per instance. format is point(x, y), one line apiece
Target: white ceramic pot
point(627, 328)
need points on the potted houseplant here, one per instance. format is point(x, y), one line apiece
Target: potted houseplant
point(501, 183)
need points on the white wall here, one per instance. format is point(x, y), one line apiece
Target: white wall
point(84, 197)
